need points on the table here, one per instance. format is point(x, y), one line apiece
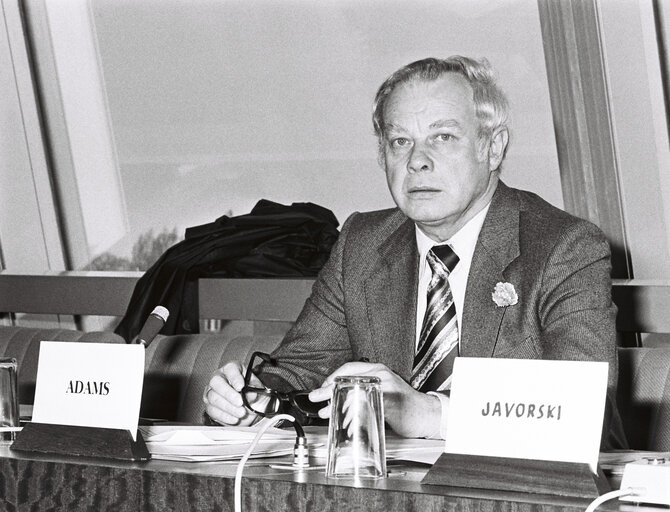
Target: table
point(39, 482)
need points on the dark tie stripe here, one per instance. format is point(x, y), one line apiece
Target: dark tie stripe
point(446, 255)
point(441, 373)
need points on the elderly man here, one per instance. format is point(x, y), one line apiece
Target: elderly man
point(463, 266)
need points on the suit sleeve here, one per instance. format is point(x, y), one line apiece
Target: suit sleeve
point(318, 343)
point(576, 311)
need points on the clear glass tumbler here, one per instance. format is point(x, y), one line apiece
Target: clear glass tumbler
point(9, 397)
point(356, 436)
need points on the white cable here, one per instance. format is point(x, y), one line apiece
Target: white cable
point(240, 466)
point(608, 496)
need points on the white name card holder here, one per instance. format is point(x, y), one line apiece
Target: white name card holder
point(524, 426)
point(87, 402)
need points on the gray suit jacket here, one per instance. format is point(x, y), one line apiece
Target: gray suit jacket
point(363, 303)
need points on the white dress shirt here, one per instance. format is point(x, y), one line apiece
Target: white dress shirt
point(463, 243)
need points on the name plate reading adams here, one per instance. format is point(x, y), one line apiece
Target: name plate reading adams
point(89, 385)
point(527, 409)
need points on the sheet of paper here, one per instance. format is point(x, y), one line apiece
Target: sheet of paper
point(193, 435)
point(529, 409)
point(89, 384)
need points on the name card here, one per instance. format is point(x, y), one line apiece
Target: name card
point(527, 409)
point(89, 385)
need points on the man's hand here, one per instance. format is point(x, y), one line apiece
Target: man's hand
point(408, 412)
point(222, 396)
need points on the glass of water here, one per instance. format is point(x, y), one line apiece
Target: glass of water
point(356, 436)
point(9, 398)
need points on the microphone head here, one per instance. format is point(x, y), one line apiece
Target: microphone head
point(161, 312)
point(152, 326)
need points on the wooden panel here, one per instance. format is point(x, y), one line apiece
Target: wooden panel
point(108, 294)
point(253, 299)
point(504, 473)
point(644, 305)
point(73, 293)
point(80, 293)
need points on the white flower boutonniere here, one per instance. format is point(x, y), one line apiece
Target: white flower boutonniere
point(504, 295)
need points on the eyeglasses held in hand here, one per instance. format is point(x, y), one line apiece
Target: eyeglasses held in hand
point(269, 402)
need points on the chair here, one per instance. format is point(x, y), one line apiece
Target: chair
point(178, 367)
point(643, 397)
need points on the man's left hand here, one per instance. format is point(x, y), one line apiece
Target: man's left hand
point(408, 412)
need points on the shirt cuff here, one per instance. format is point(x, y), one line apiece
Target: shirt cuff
point(444, 403)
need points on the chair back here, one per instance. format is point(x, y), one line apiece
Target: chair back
point(178, 367)
point(643, 397)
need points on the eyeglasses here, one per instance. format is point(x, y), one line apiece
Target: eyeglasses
point(269, 402)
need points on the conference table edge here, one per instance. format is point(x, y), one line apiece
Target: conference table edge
point(47, 482)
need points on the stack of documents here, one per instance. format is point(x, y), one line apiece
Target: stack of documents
point(203, 444)
point(207, 444)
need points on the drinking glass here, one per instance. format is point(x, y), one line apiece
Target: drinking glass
point(356, 436)
point(9, 397)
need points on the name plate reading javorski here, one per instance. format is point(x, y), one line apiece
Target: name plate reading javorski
point(89, 385)
point(523, 410)
point(527, 409)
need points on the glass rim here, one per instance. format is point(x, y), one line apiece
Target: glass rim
point(357, 379)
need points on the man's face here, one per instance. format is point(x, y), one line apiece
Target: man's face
point(436, 167)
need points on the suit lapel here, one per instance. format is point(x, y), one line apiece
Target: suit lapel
point(390, 290)
point(497, 246)
point(390, 293)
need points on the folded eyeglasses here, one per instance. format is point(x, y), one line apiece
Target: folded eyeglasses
point(269, 402)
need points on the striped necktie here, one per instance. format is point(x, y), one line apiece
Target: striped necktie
point(438, 341)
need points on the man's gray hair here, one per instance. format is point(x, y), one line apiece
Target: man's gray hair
point(491, 106)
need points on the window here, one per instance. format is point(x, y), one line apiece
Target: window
point(168, 114)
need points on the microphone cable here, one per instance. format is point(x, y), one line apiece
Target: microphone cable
point(300, 452)
point(609, 496)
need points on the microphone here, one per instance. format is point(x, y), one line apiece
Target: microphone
point(153, 324)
